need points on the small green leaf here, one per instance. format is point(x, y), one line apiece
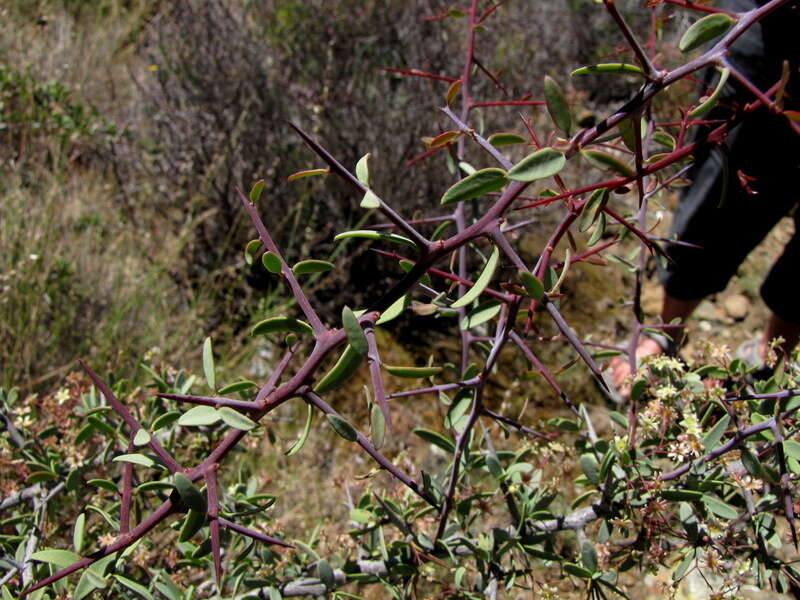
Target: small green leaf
point(377, 424)
point(437, 439)
point(395, 309)
point(40, 476)
point(88, 582)
point(137, 459)
point(712, 438)
point(494, 466)
point(676, 495)
point(342, 427)
point(165, 420)
point(720, 508)
point(192, 497)
point(208, 364)
point(482, 282)
point(362, 169)
point(308, 173)
point(59, 558)
point(684, 565)
point(78, 531)
point(238, 386)
point(355, 334)
point(192, 523)
point(301, 441)
point(589, 556)
point(281, 325)
point(578, 571)
point(604, 68)
point(271, 262)
point(134, 587)
point(557, 105)
point(475, 185)
point(199, 415)
point(506, 139)
point(325, 573)
point(706, 29)
point(563, 424)
point(542, 163)
point(607, 162)
point(233, 418)
point(591, 211)
point(250, 251)
point(532, 285)
point(413, 372)
point(306, 267)
point(255, 191)
point(141, 438)
point(341, 372)
point(105, 484)
point(370, 200)
point(711, 101)
point(481, 314)
point(369, 234)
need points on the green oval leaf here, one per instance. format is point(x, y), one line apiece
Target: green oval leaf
point(250, 251)
point(325, 573)
point(506, 139)
point(532, 285)
point(705, 30)
point(557, 105)
point(720, 508)
point(599, 230)
point(413, 372)
point(137, 459)
point(342, 427)
point(271, 262)
point(481, 314)
point(607, 162)
point(238, 386)
point(362, 169)
point(370, 200)
point(192, 523)
point(355, 334)
point(78, 532)
point(305, 267)
point(281, 325)
point(675, 495)
point(437, 439)
point(482, 282)
point(369, 234)
point(395, 310)
point(542, 163)
point(233, 418)
point(192, 497)
point(301, 441)
point(475, 185)
point(141, 438)
point(578, 571)
point(199, 415)
point(134, 587)
point(104, 484)
point(592, 208)
point(256, 190)
point(208, 364)
point(343, 370)
point(308, 173)
point(711, 101)
point(377, 424)
point(165, 420)
point(605, 68)
point(40, 476)
point(712, 438)
point(59, 558)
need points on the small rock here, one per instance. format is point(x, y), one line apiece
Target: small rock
point(737, 306)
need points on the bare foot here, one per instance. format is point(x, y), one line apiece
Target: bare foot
point(620, 368)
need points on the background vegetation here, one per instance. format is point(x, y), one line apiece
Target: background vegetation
point(125, 128)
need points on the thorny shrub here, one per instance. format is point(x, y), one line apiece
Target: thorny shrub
point(697, 472)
